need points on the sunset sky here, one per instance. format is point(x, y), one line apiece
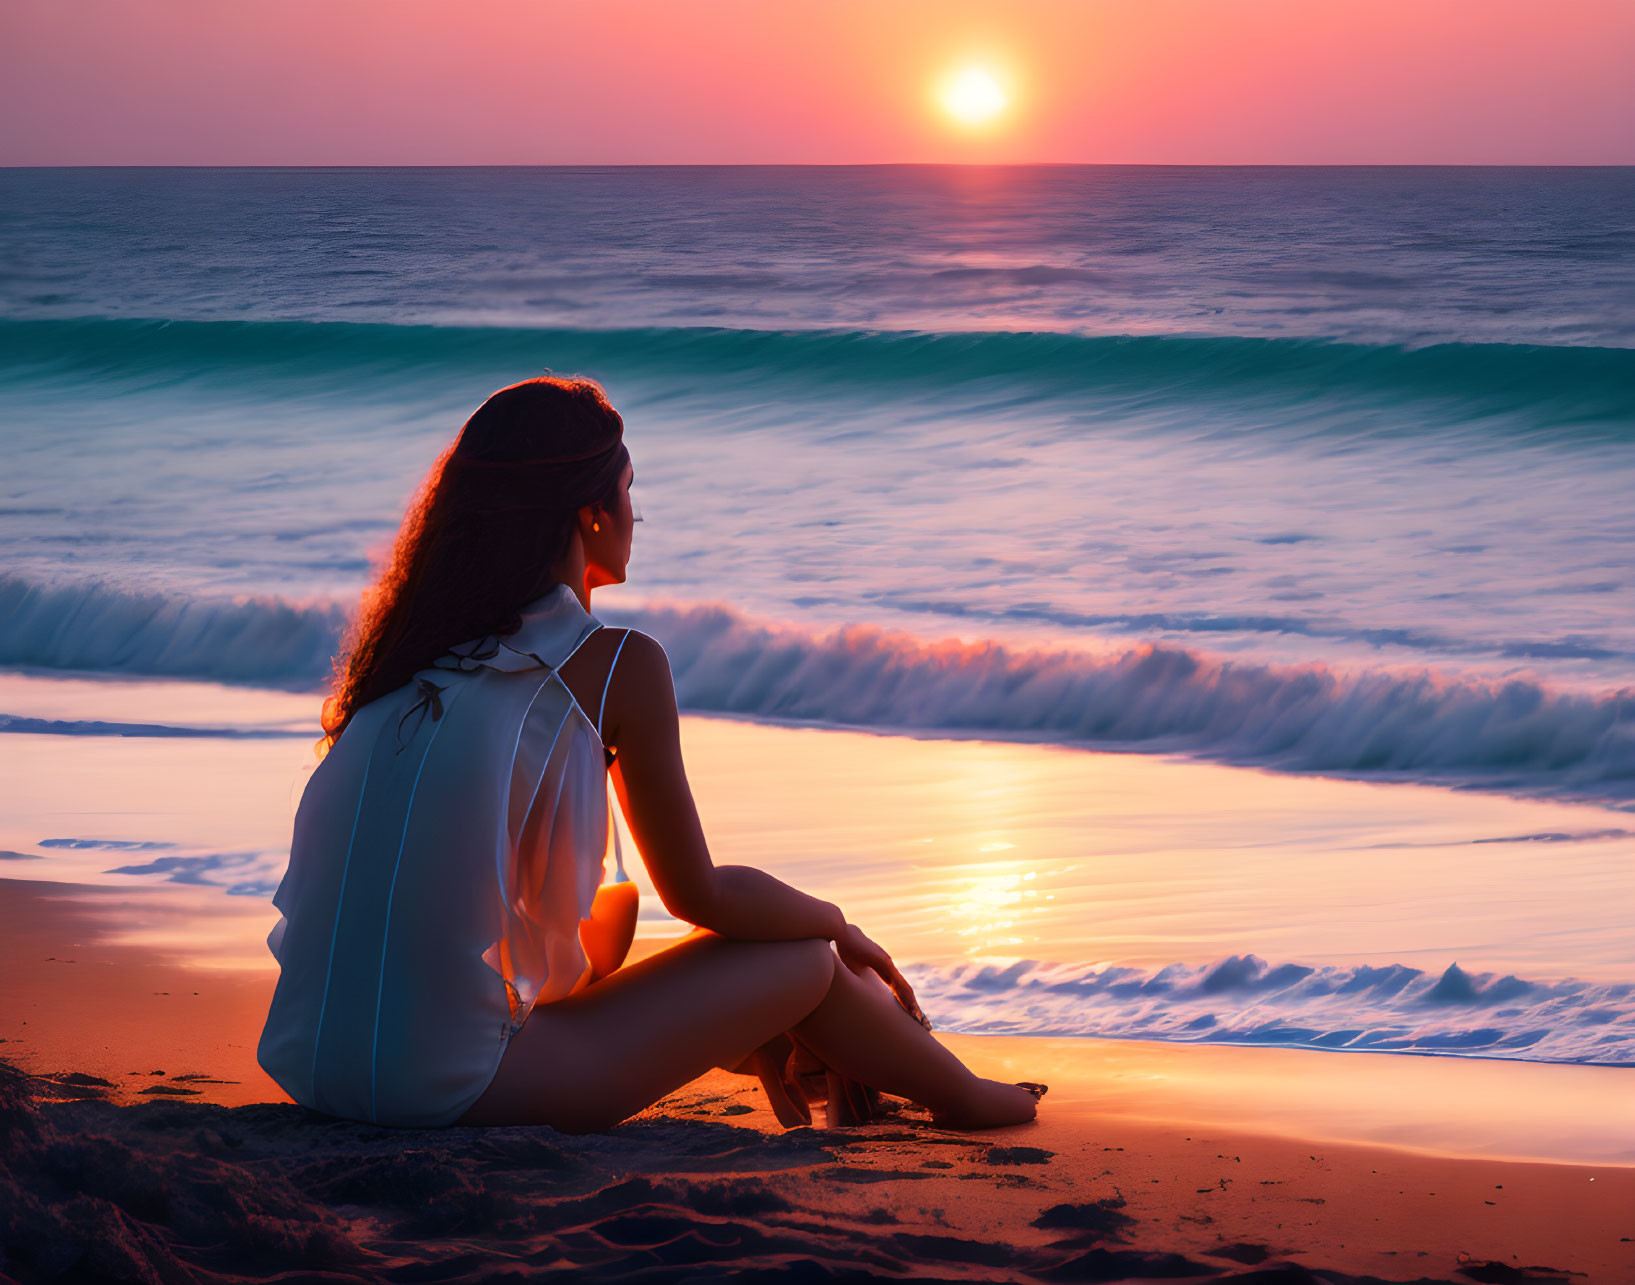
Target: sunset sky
point(815, 81)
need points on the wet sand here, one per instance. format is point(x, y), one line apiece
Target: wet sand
point(141, 1141)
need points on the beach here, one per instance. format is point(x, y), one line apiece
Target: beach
point(1180, 612)
point(156, 1149)
point(137, 1002)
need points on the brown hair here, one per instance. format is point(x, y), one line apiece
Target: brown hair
point(491, 520)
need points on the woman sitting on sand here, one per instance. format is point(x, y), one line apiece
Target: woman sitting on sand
point(448, 952)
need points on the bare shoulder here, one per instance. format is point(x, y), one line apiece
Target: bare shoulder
point(642, 671)
point(626, 676)
point(616, 669)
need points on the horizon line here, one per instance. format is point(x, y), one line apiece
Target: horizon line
point(718, 165)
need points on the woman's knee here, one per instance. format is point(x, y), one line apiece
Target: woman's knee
point(815, 964)
point(799, 971)
point(805, 961)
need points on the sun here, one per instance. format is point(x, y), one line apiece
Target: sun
point(973, 97)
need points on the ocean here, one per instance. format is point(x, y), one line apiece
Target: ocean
point(1312, 486)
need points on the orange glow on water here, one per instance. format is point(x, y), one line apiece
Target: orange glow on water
point(945, 848)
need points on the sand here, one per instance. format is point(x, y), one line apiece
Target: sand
point(156, 1150)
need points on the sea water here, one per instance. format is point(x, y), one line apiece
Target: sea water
point(1304, 471)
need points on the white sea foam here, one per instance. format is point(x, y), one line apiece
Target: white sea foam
point(1414, 724)
point(1517, 735)
point(268, 642)
point(1245, 1000)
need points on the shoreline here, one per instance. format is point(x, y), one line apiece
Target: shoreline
point(1148, 1174)
point(133, 988)
point(163, 1017)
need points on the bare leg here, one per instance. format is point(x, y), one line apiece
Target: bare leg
point(862, 1032)
point(586, 1062)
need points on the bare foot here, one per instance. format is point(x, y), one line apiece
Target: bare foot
point(990, 1104)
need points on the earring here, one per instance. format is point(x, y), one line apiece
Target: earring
point(595, 526)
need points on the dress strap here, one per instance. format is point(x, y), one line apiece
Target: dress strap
point(602, 708)
point(612, 822)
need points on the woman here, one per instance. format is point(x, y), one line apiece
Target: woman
point(448, 952)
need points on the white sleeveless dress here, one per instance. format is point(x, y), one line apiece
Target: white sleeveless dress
point(444, 852)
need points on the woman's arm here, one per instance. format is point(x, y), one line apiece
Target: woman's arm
point(642, 724)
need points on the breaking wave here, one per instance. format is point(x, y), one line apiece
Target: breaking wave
point(1519, 736)
point(265, 642)
point(1245, 1000)
point(1550, 390)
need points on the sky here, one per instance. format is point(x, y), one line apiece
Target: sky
point(472, 82)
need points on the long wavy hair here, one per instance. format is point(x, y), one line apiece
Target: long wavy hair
point(482, 535)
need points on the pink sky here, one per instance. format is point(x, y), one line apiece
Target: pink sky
point(746, 81)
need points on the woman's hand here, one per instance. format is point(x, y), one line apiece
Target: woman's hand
point(793, 1078)
point(860, 955)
